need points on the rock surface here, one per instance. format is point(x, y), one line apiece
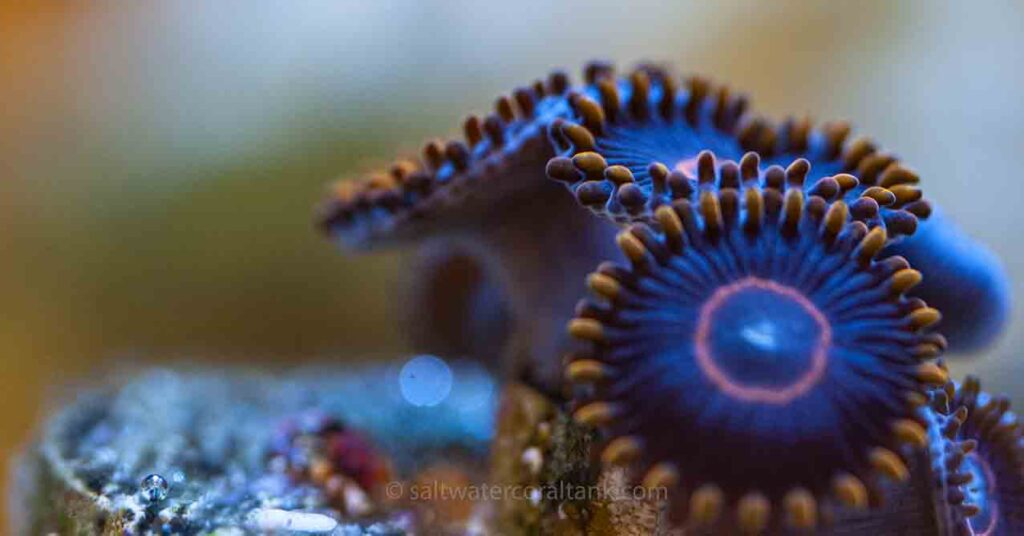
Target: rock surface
point(200, 452)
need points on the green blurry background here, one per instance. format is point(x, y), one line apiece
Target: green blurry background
point(159, 160)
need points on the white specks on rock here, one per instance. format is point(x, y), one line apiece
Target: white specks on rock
point(356, 501)
point(533, 459)
point(535, 496)
point(272, 519)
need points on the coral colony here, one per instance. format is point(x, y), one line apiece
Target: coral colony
point(760, 332)
point(757, 340)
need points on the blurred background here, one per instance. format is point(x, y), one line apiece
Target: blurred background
point(159, 160)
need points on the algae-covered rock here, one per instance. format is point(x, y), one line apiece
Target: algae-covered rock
point(540, 449)
point(227, 452)
point(327, 452)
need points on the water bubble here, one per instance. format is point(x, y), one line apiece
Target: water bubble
point(154, 488)
point(425, 381)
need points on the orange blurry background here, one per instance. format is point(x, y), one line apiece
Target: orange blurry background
point(159, 161)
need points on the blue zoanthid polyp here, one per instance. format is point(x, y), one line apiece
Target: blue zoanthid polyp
point(936, 499)
point(995, 464)
point(485, 202)
point(757, 354)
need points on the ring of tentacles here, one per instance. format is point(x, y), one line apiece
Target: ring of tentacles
point(996, 463)
point(634, 144)
point(757, 353)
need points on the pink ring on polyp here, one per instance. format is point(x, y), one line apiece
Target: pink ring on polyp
point(689, 165)
point(777, 396)
point(990, 491)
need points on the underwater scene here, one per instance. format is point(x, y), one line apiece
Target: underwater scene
point(342, 268)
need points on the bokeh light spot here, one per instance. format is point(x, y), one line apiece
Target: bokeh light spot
point(425, 381)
